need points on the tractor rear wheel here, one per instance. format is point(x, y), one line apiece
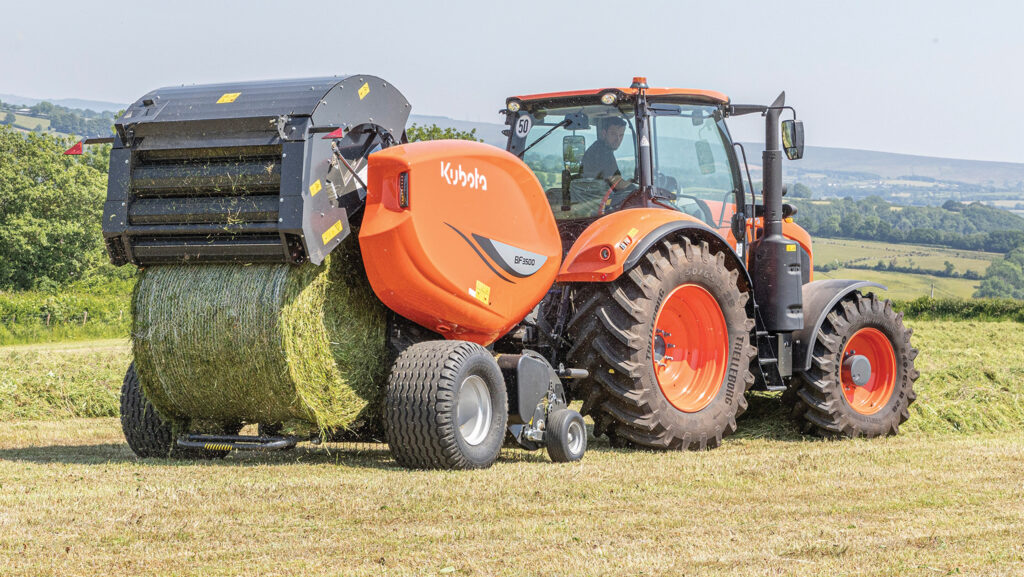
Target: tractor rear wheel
point(668, 346)
point(861, 380)
point(446, 406)
point(147, 434)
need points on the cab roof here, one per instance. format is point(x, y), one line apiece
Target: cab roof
point(681, 93)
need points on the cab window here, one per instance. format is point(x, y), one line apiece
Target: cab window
point(692, 169)
point(572, 160)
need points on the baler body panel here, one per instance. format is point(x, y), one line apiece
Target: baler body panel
point(467, 246)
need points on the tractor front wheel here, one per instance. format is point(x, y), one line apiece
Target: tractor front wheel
point(668, 347)
point(861, 380)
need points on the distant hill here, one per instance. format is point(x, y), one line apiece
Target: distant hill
point(891, 165)
point(72, 103)
point(823, 159)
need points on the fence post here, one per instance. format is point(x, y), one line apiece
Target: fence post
point(85, 317)
point(47, 319)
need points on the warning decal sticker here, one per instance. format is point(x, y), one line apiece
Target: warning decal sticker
point(332, 232)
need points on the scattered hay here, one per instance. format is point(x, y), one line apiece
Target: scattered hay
point(261, 343)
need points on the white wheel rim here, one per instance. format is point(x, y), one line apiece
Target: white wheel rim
point(576, 435)
point(473, 410)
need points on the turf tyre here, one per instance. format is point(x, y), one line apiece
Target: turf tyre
point(565, 436)
point(612, 330)
point(422, 405)
point(147, 434)
point(816, 398)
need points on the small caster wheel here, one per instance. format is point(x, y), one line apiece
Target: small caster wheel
point(566, 436)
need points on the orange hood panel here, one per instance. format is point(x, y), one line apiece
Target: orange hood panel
point(467, 247)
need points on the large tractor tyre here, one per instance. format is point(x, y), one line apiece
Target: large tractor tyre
point(861, 380)
point(446, 406)
point(147, 434)
point(668, 346)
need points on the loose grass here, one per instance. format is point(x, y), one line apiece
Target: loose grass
point(62, 381)
point(74, 501)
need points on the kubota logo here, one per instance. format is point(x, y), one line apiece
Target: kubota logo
point(458, 177)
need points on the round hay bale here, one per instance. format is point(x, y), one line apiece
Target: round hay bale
point(261, 343)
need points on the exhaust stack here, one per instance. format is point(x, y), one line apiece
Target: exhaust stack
point(776, 262)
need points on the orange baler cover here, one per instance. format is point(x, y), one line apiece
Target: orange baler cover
point(470, 247)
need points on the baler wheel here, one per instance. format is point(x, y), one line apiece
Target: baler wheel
point(566, 436)
point(446, 406)
point(827, 401)
point(147, 434)
point(668, 346)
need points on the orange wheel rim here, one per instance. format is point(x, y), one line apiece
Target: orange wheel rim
point(876, 392)
point(690, 348)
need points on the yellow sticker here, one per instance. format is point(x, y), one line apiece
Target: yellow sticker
point(229, 97)
point(315, 188)
point(364, 90)
point(332, 232)
point(483, 293)
point(632, 232)
point(790, 248)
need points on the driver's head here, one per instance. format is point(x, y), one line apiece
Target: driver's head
point(611, 131)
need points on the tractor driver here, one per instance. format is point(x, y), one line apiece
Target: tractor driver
point(599, 160)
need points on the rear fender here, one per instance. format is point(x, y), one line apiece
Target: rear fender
point(614, 244)
point(819, 297)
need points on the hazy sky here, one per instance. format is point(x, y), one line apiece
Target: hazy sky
point(893, 76)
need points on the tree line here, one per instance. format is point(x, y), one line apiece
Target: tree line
point(973, 226)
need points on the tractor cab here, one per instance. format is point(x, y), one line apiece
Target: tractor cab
point(596, 152)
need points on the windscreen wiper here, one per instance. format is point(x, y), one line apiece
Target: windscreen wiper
point(565, 122)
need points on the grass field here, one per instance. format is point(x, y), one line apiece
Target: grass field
point(30, 122)
point(906, 286)
point(75, 502)
point(828, 250)
point(946, 497)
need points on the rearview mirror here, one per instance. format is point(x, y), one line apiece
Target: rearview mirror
point(705, 158)
point(793, 139)
point(573, 147)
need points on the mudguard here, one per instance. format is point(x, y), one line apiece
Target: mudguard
point(818, 298)
point(614, 244)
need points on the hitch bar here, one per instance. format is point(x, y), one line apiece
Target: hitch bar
point(237, 442)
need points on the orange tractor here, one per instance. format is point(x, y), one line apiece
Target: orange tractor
point(616, 253)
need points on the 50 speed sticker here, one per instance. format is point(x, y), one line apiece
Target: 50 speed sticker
point(523, 125)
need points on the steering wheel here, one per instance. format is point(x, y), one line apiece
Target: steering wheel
point(633, 190)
